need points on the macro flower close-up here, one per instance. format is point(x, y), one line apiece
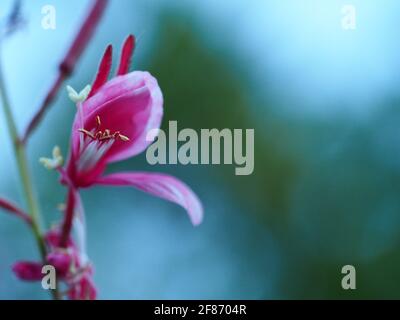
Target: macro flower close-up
point(202, 155)
point(112, 123)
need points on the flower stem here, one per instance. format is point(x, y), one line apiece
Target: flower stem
point(22, 163)
point(33, 208)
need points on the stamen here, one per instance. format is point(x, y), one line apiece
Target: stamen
point(105, 137)
point(123, 138)
point(95, 144)
point(99, 135)
point(88, 133)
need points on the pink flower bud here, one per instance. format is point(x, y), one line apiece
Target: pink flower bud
point(61, 261)
point(28, 271)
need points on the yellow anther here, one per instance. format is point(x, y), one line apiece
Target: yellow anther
point(104, 137)
point(100, 135)
point(88, 133)
point(123, 138)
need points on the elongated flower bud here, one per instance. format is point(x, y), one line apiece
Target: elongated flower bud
point(28, 271)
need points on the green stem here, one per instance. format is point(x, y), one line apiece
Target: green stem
point(33, 209)
point(20, 155)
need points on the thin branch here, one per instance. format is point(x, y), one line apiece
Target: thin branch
point(68, 64)
point(12, 208)
point(22, 164)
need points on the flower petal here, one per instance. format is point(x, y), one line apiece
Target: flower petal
point(126, 55)
point(160, 185)
point(104, 71)
point(116, 87)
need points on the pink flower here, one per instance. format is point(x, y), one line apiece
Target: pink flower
point(111, 126)
point(67, 261)
point(61, 260)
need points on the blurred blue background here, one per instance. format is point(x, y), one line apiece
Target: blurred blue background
point(325, 106)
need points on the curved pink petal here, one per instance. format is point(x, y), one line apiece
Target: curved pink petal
point(160, 185)
point(117, 87)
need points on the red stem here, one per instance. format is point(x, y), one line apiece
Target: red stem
point(68, 218)
point(68, 64)
point(46, 103)
point(12, 208)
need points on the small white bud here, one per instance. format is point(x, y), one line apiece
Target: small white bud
point(72, 94)
point(55, 162)
point(78, 97)
point(85, 92)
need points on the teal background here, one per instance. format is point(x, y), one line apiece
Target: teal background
point(325, 106)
